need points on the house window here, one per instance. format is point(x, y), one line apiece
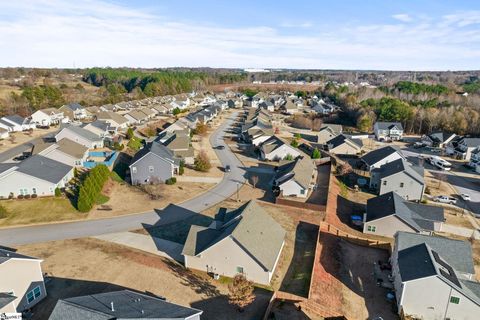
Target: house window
point(371, 228)
point(239, 269)
point(34, 294)
point(401, 184)
point(134, 169)
point(384, 182)
point(302, 191)
point(150, 169)
point(455, 300)
point(23, 191)
point(34, 190)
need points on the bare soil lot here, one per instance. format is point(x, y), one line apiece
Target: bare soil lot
point(22, 137)
point(107, 267)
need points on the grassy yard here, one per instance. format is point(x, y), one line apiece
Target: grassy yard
point(38, 211)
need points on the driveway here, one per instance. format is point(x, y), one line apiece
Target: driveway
point(70, 230)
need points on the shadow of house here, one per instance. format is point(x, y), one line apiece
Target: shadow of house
point(218, 308)
point(298, 276)
point(62, 288)
point(264, 175)
point(320, 193)
point(346, 208)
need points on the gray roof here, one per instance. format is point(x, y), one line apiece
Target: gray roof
point(379, 154)
point(156, 148)
point(337, 128)
point(250, 226)
point(6, 255)
point(44, 168)
point(418, 216)
point(457, 252)
point(100, 124)
point(389, 125)
point(470, 142)
point(126, 305)
point(84, 133)
point(400, 165)
point(74, 106)
point(72, 148)
point(110, 115)
point(5, 299)
point(341, 139)
point(301, 170)
point(15, 119)
point(440, 137)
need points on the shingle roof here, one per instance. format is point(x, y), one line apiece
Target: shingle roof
point(157, 149)
point(126, 305)
point(6, 298)
point(15, 119)
point(84, 133)
point(44, 168)
point(74, 106)
point(440, 137)
point(400, 165)
point(301, 170)
point(389, 125)
point(418, 216)
point(250, 226)
point(110, 115)
point(457, 252)
point(100, 124)
point(470, 142)
point(377, 155)
point(6, 255)
point(71, 148)
point(341, 139)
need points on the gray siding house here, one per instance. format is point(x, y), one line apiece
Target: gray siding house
point(246, 240)
point(432, 278)
point(400, 177)
point(119, 305)
point(388, 131)
point(154, 163)
point(389, 213)
point(379, 157)
point(81, 136)
point(21, 282)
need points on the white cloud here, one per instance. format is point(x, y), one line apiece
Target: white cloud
point(94, 33)
point(403, 17)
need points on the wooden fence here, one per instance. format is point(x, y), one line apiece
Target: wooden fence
point(363, 241)
point(298, 204)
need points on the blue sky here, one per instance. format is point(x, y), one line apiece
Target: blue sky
point(389, 35)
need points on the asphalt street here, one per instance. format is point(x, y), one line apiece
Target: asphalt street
point(175, 212)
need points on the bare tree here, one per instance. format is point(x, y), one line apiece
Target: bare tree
point(254, 181)
point(240, 292)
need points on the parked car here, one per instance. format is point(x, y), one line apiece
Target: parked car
point(465, 197)
point(21, 158)
point(227, 168)
point(220, 147)
point(445, 199)
point(418, 145)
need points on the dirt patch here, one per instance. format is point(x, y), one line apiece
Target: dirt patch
point(106, 267)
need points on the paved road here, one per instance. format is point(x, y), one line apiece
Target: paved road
point(172, 213)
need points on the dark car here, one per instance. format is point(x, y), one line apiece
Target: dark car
point(227, 168)
point(21, 158)
point(220, 147)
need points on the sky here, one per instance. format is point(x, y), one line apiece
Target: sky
point(300, 34)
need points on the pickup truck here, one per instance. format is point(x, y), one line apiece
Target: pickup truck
point(445, 199)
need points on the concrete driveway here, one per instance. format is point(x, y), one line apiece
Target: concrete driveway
point(71, 230)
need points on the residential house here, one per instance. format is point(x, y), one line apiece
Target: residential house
point(388, 213)
point(4, 134)
point(16, 123)
point(179, 143)
point(342, 145)
point(388, 131)
point(432, 277)
point(246, 240)
point(153, 164)
point(401, 177)
point(176, 126)
point(438, 139)
point(100, 128)
point(114, 119)
point(22, 285)
point(379, 157)
point(328, 132)
point(259, 136)
point(290, 107)
point(462, 147)
point(148, 112)
point(48, 117)
point(37, 175)
point(295, 178)
point(275, 149)
point(81, 136)
point(74, 111)
point(136, 117)
point(121, 305)
point(65, 151)
point(160, 109)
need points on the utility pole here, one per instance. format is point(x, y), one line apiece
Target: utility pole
point(238, 185)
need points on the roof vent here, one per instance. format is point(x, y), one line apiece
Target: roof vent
point(111, 307)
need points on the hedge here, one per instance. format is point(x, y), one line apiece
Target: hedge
point(91, 187)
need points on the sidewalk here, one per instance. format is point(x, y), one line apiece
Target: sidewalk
point(157, 246)
point(212, 180)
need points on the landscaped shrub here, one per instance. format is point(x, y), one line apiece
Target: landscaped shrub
point(202, 162)
point(89, 191)
point(58, 192)
point(171, 181)
point(34, 196)
point(20, 196)
point(27, 196)
point(181, 169)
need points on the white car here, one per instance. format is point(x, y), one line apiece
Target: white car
point(445, 199)
point(465, 197)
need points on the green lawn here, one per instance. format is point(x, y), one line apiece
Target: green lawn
point(38, 210)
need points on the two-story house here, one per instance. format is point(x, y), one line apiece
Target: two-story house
point(388, 131)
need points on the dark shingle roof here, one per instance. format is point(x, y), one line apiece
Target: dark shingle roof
point(15, 119)
point(341, 139)
point(155, 148)
point(254, 229)
point(44, 168)
point(126, 305)
point(440, 137)
point(5, 299)
point(389, 125)
point(6, 255)
point(377, 155)
point(399, 165)
point(415, 263)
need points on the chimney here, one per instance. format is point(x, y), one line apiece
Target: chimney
point(111, 306)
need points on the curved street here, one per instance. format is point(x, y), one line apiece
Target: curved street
point(175, 212)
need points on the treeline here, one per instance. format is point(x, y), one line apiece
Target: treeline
point(43, 96)
point(417, 88)
point(91, 188)
point(156, 83)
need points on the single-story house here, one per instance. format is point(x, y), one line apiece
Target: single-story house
point(388, 131)
point(432, 277)
point(22, 285)
point(154, 163)
point(379, 157)
point(121, 305)
point(65, 151)
point(389, 213)
point(114, 119)
point(275, 149)
point(258, 136)
point(81, 136)
point(401, 177)
point(148, 112)
point(36, 175)
point(246, 240)
point(326, 133)
point(295, 177)
point(438, 139)
point(16, 123)
point(136, 117)
point(101, 128)
point(48, 117)
point(344, 146)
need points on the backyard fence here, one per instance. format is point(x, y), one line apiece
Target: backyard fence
point(110, 158)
